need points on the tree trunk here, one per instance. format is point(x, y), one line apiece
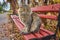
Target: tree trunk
point(14, 5)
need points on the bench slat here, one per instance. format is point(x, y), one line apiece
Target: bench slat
point(49, 8)
point(48, 16)
point(47, 31)
point(38, 35)
point(30, 36)
point(18, 24)
point(44, 34)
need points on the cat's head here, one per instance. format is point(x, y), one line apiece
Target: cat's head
point(25, 8)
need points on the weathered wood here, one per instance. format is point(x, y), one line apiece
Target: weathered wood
point(49, 8)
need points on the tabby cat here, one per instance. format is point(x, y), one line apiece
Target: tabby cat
point(30, 20)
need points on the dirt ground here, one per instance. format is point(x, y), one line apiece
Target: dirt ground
point(6, 29)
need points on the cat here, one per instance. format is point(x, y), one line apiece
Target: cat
point(30, 20)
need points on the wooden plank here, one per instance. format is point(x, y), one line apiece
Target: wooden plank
point(47, 31)
point(49, 8)
point(53, 17)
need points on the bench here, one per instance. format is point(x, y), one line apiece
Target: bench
point(42, 35)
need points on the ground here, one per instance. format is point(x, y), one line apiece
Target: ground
point(3, 18)
point(6, 29)
point(4, 33)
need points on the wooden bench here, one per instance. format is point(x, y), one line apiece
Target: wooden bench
point(42, 35)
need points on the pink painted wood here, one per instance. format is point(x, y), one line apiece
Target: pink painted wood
point(49, 8)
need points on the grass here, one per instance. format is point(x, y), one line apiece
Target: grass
point(1, 12)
